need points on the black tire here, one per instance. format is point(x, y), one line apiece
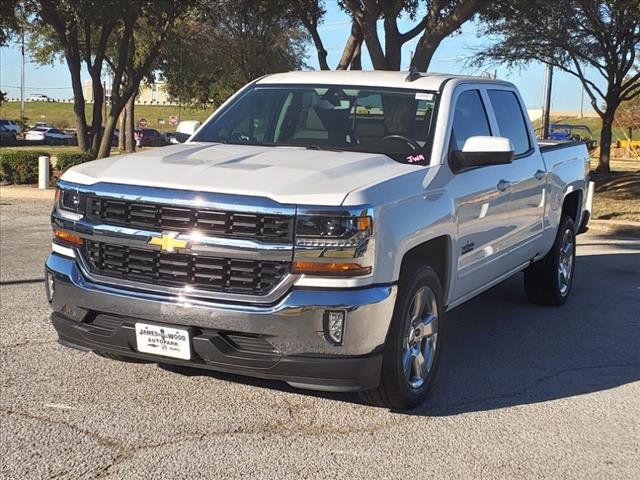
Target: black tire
point(542, 280)
point(395, 390)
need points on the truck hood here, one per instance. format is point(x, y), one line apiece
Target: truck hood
point(284, 174)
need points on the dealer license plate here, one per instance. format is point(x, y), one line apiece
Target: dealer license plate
point(164, 341)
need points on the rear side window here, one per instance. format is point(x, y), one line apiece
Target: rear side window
point(469, 119)
point(510, 118)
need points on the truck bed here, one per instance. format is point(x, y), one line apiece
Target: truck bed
point(550, 145)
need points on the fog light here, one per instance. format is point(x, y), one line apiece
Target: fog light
point(334, 326)
point(50, 286)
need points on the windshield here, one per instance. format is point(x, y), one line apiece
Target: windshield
point(394, 122)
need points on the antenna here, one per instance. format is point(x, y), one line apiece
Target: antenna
point(414, 74)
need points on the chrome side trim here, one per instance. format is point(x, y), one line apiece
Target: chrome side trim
point(186, 292)
point(184, 198)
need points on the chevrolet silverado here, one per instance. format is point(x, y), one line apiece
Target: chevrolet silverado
point(316, 229)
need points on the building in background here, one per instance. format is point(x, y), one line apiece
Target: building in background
point(150, 93)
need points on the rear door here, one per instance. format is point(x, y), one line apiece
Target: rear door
point(527, 174)
point(481, 204)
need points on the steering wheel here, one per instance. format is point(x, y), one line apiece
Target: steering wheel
point(409, 141)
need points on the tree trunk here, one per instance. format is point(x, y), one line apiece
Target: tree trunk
point(605, 141)
point(353, 42)
point(424, 53)
point(356, 61)
point(109, 127)
point(372, 40)
point(322, 52)
point(96, 118)
point(78, 105)
point(130, 145)
point(392, 44)
point(123, 129)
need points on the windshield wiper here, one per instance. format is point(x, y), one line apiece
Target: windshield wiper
point(308, 146)
point(314, 146)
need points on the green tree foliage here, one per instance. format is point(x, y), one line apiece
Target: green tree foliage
point(9, 20)
point(215, 51)
point(603, 35)
point(126, 35)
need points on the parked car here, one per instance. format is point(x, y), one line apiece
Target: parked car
point(148, 137)
point(42, 125)
point(114, 137)
point(183, 131)
point(7, 137)
point(294, 238)
point(38, 97)
point(49, 136)
point(10, 125)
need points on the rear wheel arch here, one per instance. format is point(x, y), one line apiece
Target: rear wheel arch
point(571, 206)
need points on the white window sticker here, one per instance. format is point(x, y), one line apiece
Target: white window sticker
point(424, 96)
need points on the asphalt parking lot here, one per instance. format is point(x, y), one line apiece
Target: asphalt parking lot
point(523, 392)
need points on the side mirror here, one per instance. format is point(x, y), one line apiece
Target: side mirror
point(480, 152)
point(188, 127)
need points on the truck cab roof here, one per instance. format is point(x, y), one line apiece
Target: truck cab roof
point(423, 81)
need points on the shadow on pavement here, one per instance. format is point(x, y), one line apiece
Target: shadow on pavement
point(500, 351)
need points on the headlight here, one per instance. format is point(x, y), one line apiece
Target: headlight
point(67, 204)
point(332, 231)
point(329, 244)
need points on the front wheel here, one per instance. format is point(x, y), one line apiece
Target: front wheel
point(549, 280)
point(414, 343)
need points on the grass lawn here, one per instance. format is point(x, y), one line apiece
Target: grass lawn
point(594, 124)
point(60, 114)
point(617, 196)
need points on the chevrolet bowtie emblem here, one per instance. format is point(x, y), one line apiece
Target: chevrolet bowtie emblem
point(168, 242)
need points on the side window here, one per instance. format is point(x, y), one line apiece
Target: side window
point(469, 119)
point(510, 118)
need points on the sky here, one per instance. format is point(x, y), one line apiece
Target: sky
point(54, 80)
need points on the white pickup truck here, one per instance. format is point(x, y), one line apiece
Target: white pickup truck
point(316, 229)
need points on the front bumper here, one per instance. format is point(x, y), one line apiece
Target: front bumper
point(284, 341)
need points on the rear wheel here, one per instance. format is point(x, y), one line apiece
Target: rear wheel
point(549, 280)
point(413, 346)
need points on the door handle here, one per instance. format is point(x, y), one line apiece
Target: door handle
point(503, 185)
point(539, 174)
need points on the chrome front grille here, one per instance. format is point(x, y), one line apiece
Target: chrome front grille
point(154, 267)
point(265, 227)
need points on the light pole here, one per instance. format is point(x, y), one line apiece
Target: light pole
point(546, 109)
point(22, 79)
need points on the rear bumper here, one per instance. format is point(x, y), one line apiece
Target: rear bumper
point(284, 341)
